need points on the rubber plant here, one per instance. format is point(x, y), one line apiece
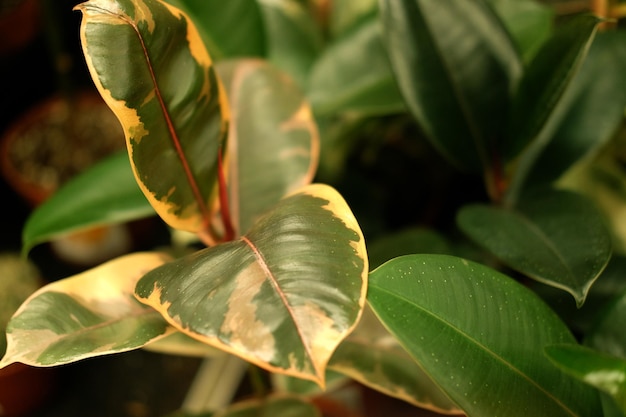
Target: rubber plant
point(226, 154)
point(228, 150)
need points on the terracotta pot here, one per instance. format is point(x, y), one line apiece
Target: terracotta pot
point(54, 141)
point(50, 144)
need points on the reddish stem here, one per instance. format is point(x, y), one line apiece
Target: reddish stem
point(229, 231)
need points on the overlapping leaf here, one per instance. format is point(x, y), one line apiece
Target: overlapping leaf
point(91, 314)
point(456, 67)
point(282, 296)
point(529, 21)
point(546, 79)
point(150, 66)
point(372, 356)
point(479, 335)
point(353, 74)
point(556, 237)
point(605, 372)
point(273, 139)
point(592, 108)
point(294, 40)
point(214, 20)
point(535, 113)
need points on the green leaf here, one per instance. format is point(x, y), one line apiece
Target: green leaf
point(530, 23)
point(91, 314)
point(353, 74)
point(556, 237)
point(150, 66)
point(533, 116)
point(479, 335)
point(605, 372)
point(372, 356)
point(214, 20)
point(456, 67)
point(283, 296)
point(602, 294)
point(608, 334)
point(592, 108)
point(106, 193)
point(273, 140)
point(293, 38)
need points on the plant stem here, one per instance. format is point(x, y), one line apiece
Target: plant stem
point(215, 384)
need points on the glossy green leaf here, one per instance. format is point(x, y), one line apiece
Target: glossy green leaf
point(456, 67)
point(592, 108)
point(91, 314)
point(533, 116)
point(372, 356)
point(232, 28)
point(353, 74)
point(274, 406)
point(283, 296)
point(480, 335)
point(107, 193)
point(273, 140)
point(606, 373)
point(556, 237)
point(608, 334)
point(150, 66)
point(406, 242)
point(294, 40)
point(602, 294)
point(529, 21)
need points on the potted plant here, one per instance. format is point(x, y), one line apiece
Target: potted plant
point(508, 307)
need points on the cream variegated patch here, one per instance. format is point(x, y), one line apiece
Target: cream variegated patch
point(241, 326)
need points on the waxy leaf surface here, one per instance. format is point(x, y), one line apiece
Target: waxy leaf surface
point(535, 112)
point(353, 74)
point(372, 356)
point(479, 335)
point(273, 140)
point(456, 67)
point(283, 296)
point(556, 237)
point(592, 108)
point(605, 372)
point(152, 69)
point(107, 193)
point(91, 314)
point(546, 79)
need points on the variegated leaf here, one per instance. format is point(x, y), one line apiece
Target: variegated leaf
point(372, 356)
point(152, 69)
point(273, 140)
point(91, 314)
point(283, 296)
